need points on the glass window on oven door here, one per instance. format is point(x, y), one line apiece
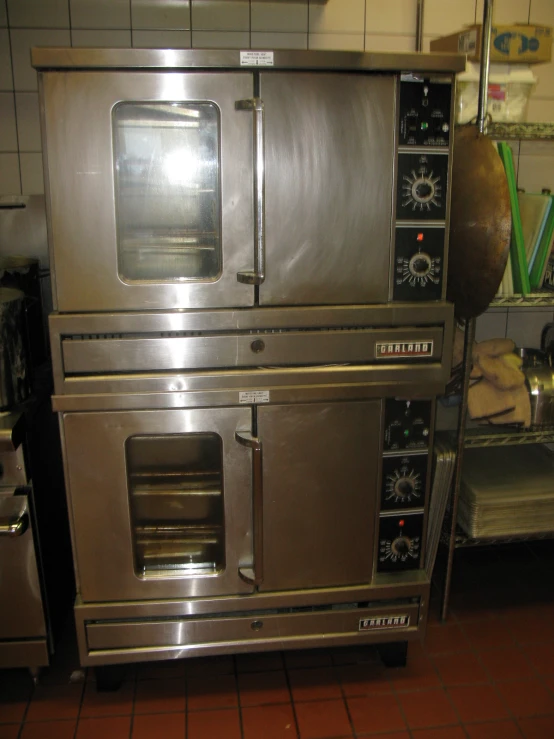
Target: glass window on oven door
point(167, 186)
point(176, 503)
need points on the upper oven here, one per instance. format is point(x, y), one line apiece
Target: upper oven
point(232, 188)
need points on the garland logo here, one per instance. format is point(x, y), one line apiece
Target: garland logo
point(384, 622)
point(404, 349)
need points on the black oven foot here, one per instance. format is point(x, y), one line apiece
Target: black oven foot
point(393, 654)
point(109, 678)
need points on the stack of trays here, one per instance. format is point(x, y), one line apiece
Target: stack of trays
point(442, 479)
point(507, 491)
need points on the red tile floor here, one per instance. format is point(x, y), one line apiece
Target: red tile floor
point(488, 673)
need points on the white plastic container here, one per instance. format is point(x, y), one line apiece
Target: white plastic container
point(510, 87)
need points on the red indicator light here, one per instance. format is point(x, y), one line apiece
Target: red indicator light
point(419, 237)
point(401, 522)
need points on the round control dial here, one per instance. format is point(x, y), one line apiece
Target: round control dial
point(420, 264)
point(401, 546)
point(403, 485)
point(421, 190)
point(400, 550)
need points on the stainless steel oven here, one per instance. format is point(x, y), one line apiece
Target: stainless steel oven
point(250, 333)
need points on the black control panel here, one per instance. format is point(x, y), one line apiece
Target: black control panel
point(424, 113)
point(421, 187)
point(407, 424)
point(403, 483)
point(418, 263)
point(400, 542)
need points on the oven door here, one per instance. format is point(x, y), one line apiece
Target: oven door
point(320, 470)
point(150, 182)
point(161, 502)
point(330, 150)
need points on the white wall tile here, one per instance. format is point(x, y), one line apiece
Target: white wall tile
point(491, 325)
point(3, 14)
point(6, 79)
point(100, 14)
point(8, 133)
point(442, 17)
point(160, 14)
point(104, 39)
point(28, 121)
point(22, 41)
point(220, 15)
point(32, 178)
point(336, 41)
point(540, 111)
point(536, 166)
point(10, 183)
point(505, 12)
point(385, 42)
point(261, 40)
point(337, 16)
point(391, 17)
point(279, 17)
point(220, 40)
point(542, 12)
point(38, 13)
point(525, 325)
point(161, 39)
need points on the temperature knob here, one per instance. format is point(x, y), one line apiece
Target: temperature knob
point(423, 190)
point(402, 546)
point(403, 485)
point(420, 264)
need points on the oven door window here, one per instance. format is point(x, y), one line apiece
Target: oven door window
point(167, 191)
point(175, 485)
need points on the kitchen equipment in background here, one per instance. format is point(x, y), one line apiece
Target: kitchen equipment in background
point(15, 380)
point(36, 581)
point(23, 273)
point(254, 358)
point(507, 492)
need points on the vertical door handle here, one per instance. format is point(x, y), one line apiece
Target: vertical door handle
point(254, 575)
point(257, 276)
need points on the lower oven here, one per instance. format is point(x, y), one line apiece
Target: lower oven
point(247, 507)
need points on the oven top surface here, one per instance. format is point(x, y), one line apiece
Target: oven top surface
point(66, 58)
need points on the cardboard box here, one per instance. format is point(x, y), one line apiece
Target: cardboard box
point(519, 43)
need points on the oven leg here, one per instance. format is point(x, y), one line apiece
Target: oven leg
point(109, 678)
point(393, 654)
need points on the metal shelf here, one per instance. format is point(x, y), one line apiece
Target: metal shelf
point(536, 300)
point(508, 437)
point(463, 540)
point(521, 131)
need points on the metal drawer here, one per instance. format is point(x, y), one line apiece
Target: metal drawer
point(390, 623)
point(144, 353)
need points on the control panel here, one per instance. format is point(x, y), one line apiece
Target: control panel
point(400, 542)
point(422, 187)
point(407, 424)
point(418, 263)
point(424, 113)
point(404, 482)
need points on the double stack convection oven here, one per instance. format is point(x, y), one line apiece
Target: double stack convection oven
point(250, 330)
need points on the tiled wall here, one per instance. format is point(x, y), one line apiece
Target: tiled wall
point(386, 25)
